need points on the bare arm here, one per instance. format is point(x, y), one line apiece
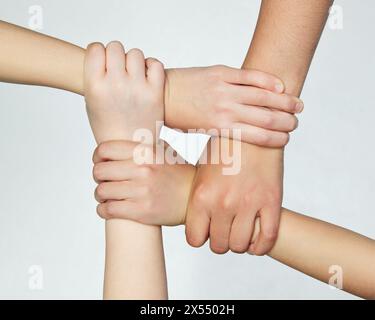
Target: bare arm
point(33, 58)
point(312, 246)
point(134, 262)
point(134, 254)
point(113, 83)
point(283, 44)
point(304, 243)
point(285, 39)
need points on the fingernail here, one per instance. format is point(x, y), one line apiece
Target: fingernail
point(279, 87)
point(299, 106)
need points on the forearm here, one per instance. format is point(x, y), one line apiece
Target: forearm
point(28, 57)
point(285, 39)
point(135, 267)
point(313, 246)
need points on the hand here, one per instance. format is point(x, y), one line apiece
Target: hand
point(122, 92)
point(156, 197)
point(224, 207)
point(221, 97)
point(153, 194)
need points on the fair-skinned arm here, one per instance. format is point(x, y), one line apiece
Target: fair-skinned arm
point(306, 244)
point(123, 93)
point(284, 43)
point(227, 97)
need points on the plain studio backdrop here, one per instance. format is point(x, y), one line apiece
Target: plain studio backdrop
point(48, 225)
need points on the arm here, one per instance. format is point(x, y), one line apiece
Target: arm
point(303, 243)
point(284, 43)
point(285, 39)
point(33, 58)
point(218, 92)
point(131, 248)
point(120, 98)
point(312, 246)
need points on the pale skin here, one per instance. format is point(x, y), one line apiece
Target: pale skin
point(120, 92)
point(270, 141)
point(306, 244)
point(228, 97)
point(33, 58)
point(284, 43)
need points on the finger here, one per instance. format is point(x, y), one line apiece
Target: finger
point(94, 61)
point(266, 118)
point(197, 226)
point(256, 230)
point(135, 64)
point(259, 136)
point(115, 58)
point(155, 72)
point(115, 170)
point(263, 98)
point(241, 232)
point(116, 150)
point(269, 226)
point(124, 209)
point(255, 78)
point(220, 231)
point(115, 191)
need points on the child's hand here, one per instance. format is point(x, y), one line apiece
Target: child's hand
point(122, 92)
point(221, 97)
point(150, 193)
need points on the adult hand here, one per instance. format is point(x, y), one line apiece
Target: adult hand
point(224, 207)
point(220, 97)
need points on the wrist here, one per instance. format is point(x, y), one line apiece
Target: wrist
point(169, 73)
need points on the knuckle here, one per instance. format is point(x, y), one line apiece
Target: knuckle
point(119, 87)
point(100, 210)
point(274, 197)
point(263, 139)
point(102, 150)
point(262, 97)
point(100, 191)
point(201, 195)
point(269, 120)
point(146, 191)
point(247, 199)
point(94, 90)
point(97, 172)
point(148, 206)
point(111, 209)
point(270, 234)
point(219, 93)
point(217, 71)
point(223, 120)
point(227, 202)
point(145, 172)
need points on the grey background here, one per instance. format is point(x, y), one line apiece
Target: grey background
point(47, 212)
